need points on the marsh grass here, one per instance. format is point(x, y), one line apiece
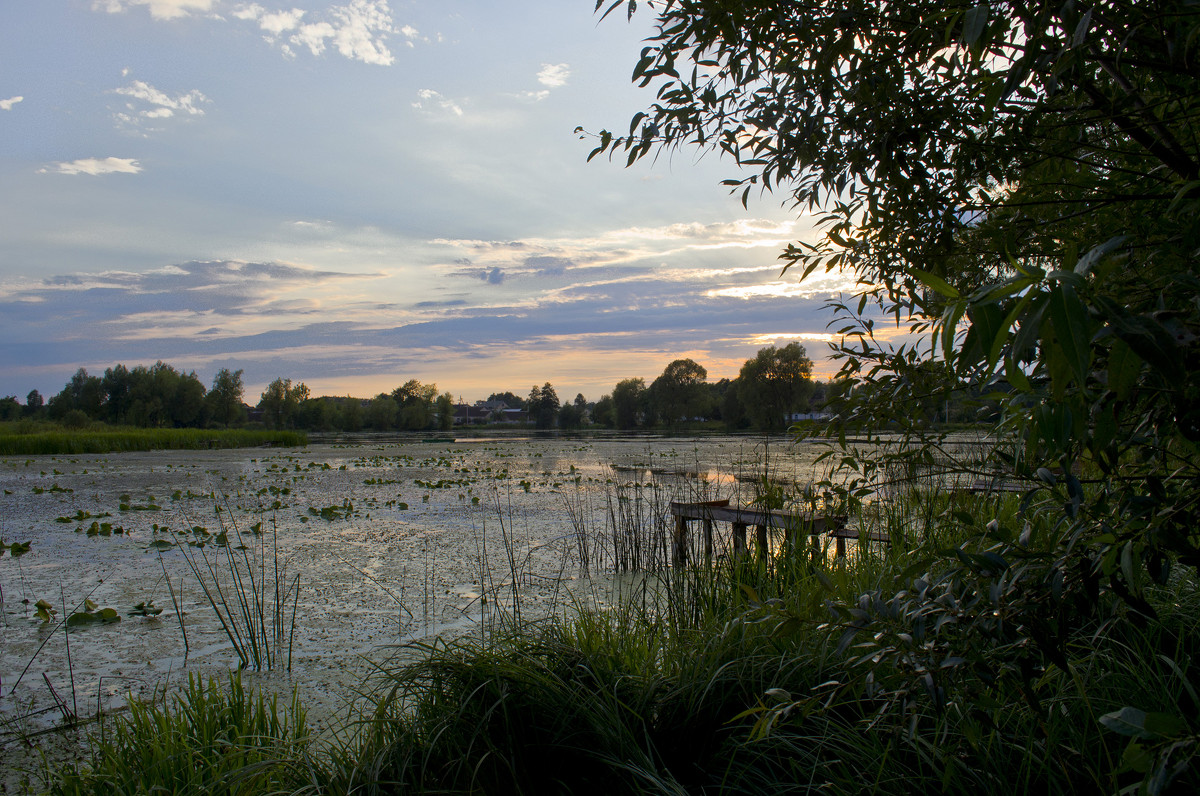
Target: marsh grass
point(41, 442)
point(247, 586)
point(213, 738)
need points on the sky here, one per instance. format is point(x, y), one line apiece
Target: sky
point(354, 194)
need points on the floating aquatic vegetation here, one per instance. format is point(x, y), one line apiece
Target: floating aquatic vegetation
point(146, 608)
point(334, 512)
point(93, 615)
point(16, 549)
point(45, 611)
point(98, 528)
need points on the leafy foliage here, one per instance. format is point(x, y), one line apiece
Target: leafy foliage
point(681, 392)
point(1016, 186)
point(776, 383)
point(543, 405)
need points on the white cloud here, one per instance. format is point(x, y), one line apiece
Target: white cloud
point(162, 105)
point(554, 75)
point(778, 337)
point(741, 230)
point(358, 31)
point(96, 166)
point(281, 22)
point(780, 289)
point(7, 105)
point(429, 98)
point(159, 9)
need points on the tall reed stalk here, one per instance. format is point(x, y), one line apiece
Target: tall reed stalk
point(250, 594)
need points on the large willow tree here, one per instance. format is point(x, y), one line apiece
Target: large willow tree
point(1018, 184)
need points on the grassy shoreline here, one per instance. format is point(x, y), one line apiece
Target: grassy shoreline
point(63, 442)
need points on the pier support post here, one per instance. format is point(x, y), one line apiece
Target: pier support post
point(681, 540)
point(739, 538)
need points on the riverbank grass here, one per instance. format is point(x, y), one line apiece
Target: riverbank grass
point(213, 738)
point(65, 442)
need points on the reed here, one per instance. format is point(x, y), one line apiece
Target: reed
point(248, 588)
point(212, 738)
point(56, 443)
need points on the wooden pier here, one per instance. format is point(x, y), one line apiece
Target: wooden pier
point(794, 522)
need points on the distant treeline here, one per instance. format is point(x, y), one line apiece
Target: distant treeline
point(160, 396)
point(770, 391)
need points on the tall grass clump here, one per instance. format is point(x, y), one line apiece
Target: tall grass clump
point(213, 738)
point(65, 442)
point(248, 588)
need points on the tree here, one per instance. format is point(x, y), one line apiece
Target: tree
point(33, 403)
point(83, 393)
point(724, 396)
point(350, 414)
point(628, 399)
point(316, 414)
point(445, 411)
point(1016, 185)
point(225, 399)
point(188, 408)
point(543, 405)
point(681, 392)
point(773, 385)
point(417, 409)
point(513, 401)
point(116, 384)
point(382, 413)
point(10, 408)
point(603, 412)
point(571, 415)
point(280, 403)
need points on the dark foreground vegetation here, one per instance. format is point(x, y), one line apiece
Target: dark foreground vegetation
point(1016, 186)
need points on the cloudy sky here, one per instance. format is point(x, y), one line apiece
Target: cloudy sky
point(357, 193)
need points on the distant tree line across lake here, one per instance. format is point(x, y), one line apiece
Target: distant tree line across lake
point(771, 391)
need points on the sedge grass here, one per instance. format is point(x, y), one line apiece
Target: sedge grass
point(250, 595)
point(212, 738)
point(57, 443)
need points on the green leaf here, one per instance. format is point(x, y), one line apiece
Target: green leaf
point(750, 593)
point(1126, 721)
point(1137, 723)
point(974, 24)
point(935, 283)
point(1166, 725)
point(1124, 367)
point(1071, 329)
point(1097, 253)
